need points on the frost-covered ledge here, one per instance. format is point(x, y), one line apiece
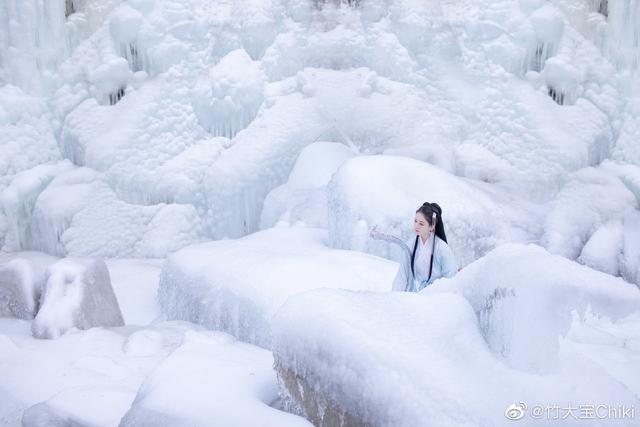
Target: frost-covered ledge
point(237, 286)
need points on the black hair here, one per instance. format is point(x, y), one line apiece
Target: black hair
point(428, 210)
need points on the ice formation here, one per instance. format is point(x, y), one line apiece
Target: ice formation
point(76, 295)
point(205, 107)
point(236, 286)
point(511, 283)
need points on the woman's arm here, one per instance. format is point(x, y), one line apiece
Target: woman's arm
point(377, 235)
point(402, 281)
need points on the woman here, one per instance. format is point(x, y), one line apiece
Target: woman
point(431, 257)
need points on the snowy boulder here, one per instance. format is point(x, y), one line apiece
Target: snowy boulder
point(385, 191)
point(548, 24)
point(303, 197)
point(581, 221)
point(228, 99)
point(211, 379)
point(237, 285)
point(398, 359)
point(20, 286)
point(125, 23)
point(525, 298)
point(95, 405)
point(76, 294)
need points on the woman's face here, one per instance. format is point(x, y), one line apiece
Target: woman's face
point(421, 225)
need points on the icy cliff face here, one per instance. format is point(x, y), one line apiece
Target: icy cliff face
point(186, 115)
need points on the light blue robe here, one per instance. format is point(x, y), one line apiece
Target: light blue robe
point(444, 263)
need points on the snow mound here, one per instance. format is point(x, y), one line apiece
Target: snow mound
point(227, 99)
point(385, 191)
point(86, 377)
point(76, 294)
point(365, 358)
point(303, 197)
point(237, 285)
point(211, 379)
point(20, 286)
point(513, 285)
point(86, 405)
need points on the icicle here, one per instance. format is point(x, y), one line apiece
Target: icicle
point(116, 96)
point(603, 7)
point(538, 56)
point(537, 61)
point(70, 8)
point(131, 53)
point(556, 95)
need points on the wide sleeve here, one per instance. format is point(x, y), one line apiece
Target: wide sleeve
point(400, 283)
point(448, 263)
point(404, 277)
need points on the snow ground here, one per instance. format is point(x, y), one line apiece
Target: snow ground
point(97, 376)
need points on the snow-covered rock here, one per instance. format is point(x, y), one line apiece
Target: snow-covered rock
point(237, 285)
point(400, 359)
point(303, 197)
point(385, 191)
point(77, 294)
point(365, 357)
point(524, 298)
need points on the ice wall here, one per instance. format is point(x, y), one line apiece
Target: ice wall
point(623, 33)
point(33, 42)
